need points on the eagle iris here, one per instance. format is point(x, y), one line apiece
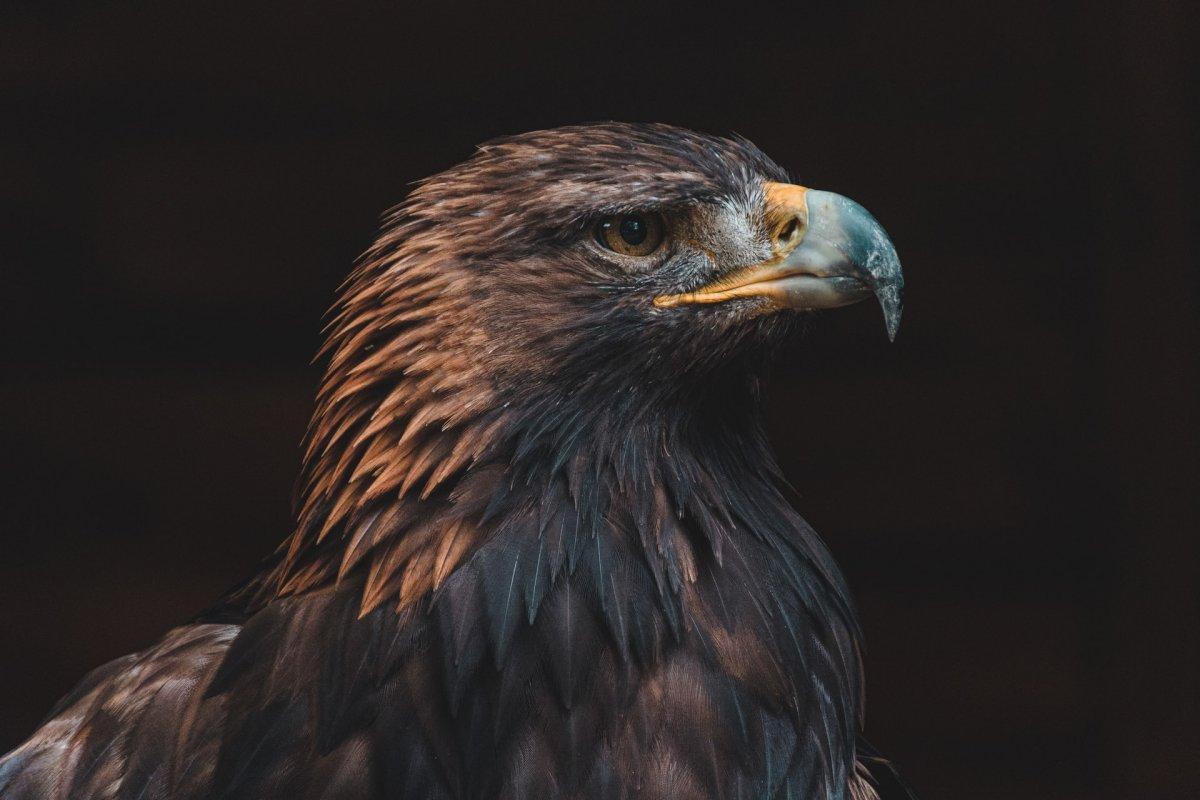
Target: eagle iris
point(631, 234)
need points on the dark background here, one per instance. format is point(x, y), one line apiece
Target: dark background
point(1014, 503)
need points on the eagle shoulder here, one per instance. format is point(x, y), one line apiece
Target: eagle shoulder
point(117, 733)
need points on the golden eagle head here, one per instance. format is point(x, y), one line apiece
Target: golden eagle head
point(600, 293)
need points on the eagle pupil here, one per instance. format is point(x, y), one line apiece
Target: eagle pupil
point(633, 230)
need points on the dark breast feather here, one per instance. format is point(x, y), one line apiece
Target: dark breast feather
point(545, 667)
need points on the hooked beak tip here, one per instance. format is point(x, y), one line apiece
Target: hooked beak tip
point(891, 300)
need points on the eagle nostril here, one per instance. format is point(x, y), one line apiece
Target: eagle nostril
point(788, 231)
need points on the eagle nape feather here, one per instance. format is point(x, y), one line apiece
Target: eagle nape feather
point(543, 548)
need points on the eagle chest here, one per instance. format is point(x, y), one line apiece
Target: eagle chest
point(611, 689)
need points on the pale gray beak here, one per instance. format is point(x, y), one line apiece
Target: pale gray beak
point(843, 249)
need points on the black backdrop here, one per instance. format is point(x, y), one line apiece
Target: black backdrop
point(1014, 502)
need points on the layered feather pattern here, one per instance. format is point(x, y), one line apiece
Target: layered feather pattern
point(543, 549)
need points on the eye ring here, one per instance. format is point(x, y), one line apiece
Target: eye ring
point(636, 234)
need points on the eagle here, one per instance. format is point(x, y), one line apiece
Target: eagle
point(543, 548)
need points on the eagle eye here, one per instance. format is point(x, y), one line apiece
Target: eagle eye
point(631, 234)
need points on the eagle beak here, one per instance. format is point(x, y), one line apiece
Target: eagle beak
point(828, 252)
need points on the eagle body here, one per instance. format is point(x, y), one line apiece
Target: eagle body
point(542, 550)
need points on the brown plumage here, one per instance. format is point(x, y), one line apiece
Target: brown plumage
point(543, 549)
